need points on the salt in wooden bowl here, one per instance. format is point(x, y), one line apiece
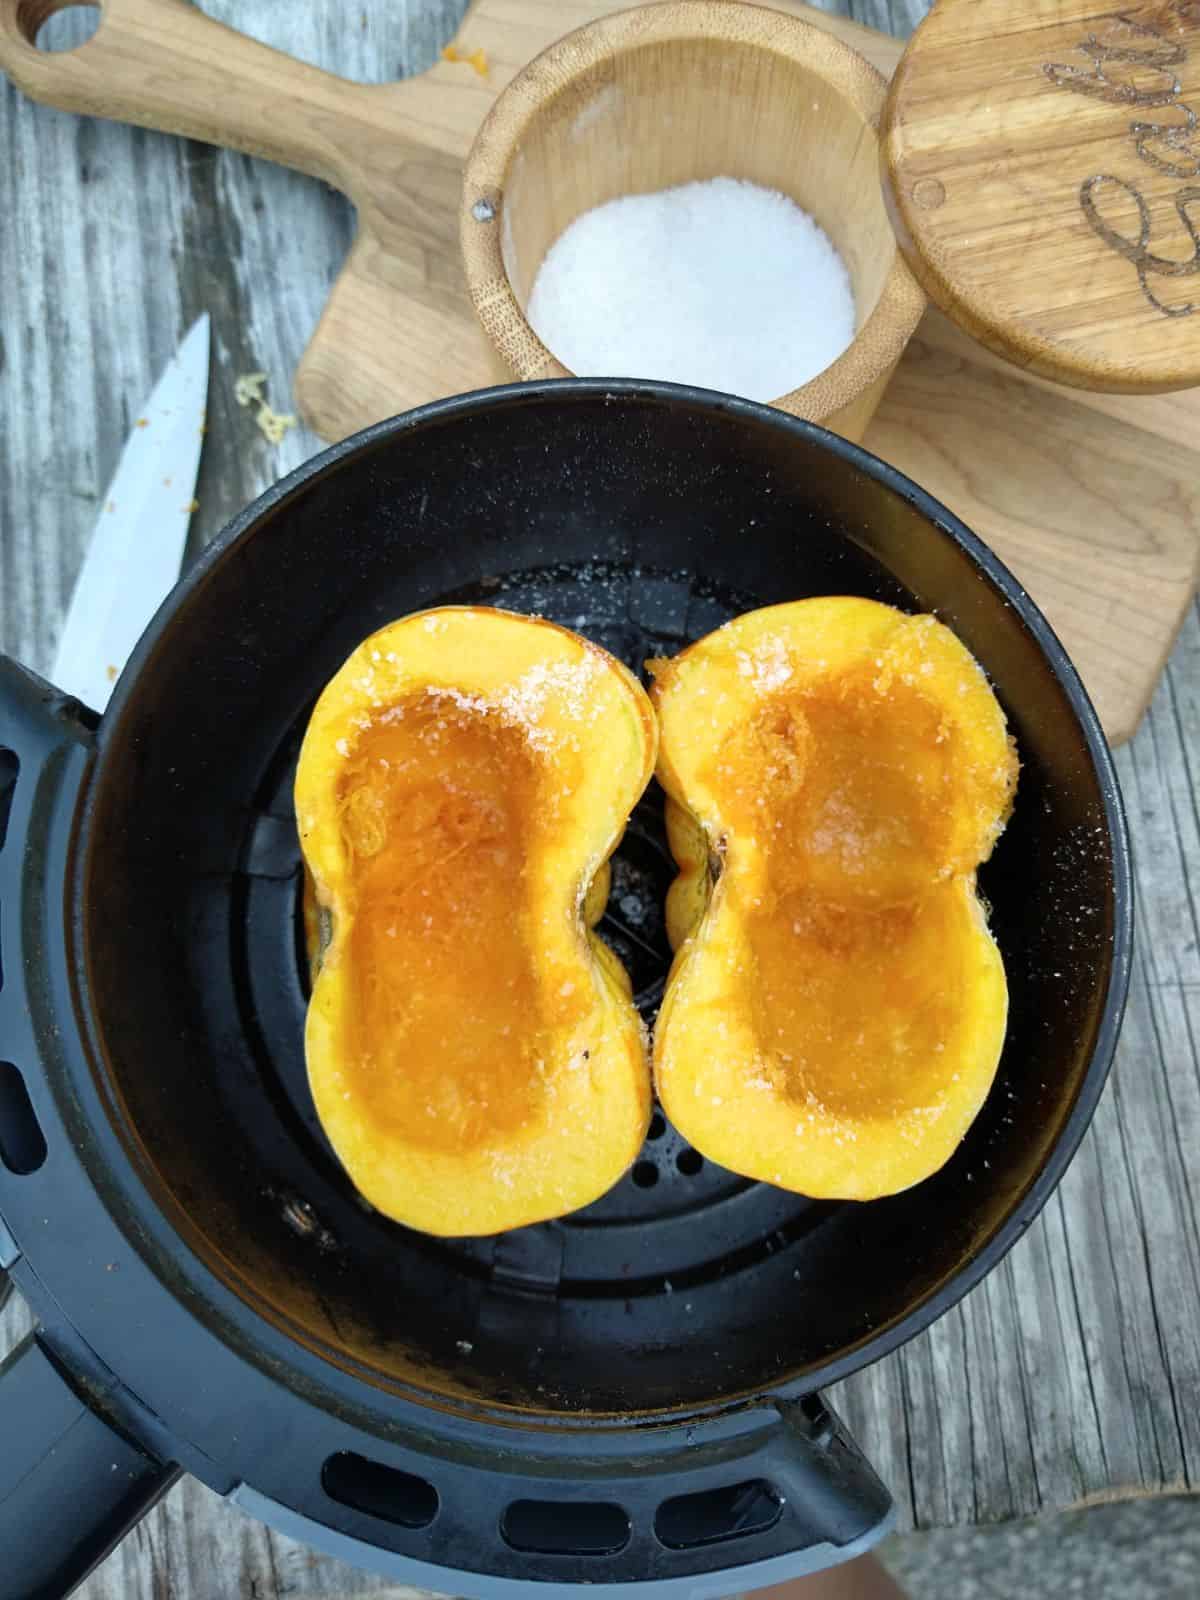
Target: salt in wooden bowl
point(669, 94)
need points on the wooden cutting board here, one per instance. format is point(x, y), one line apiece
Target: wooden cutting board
point(1092, 499)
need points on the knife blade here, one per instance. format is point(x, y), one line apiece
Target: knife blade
point(136, 549)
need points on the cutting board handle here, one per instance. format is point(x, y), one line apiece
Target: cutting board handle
point(163, 64)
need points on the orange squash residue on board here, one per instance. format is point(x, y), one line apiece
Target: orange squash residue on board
point(476, 58)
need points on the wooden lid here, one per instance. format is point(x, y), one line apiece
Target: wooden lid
point(1042, 169)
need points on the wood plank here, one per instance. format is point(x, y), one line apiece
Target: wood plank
point(1073, 1372)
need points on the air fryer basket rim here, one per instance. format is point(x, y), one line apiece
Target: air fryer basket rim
point(880, 1341)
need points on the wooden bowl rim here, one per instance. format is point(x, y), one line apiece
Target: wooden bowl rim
point(876, 346)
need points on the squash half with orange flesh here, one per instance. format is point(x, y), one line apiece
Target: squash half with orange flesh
point(473, 1050)
point(836, 771)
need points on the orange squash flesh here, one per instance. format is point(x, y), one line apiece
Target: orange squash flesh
point(836, 772)
point(473, 1051)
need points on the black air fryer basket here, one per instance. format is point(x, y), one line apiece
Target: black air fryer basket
point(626, 1399)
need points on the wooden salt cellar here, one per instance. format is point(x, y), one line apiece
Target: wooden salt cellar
point(666, 95)
point(1039, 170)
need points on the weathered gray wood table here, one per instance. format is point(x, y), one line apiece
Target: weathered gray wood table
point(1073, 1372)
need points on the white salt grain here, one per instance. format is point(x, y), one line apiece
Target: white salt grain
point(722, 284)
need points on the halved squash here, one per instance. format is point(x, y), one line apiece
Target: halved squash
point(836, 771)
point(473, 1051)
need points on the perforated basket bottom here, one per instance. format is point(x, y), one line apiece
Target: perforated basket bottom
point(674, 1219)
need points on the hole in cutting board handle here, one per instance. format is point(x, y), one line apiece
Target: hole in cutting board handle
point(22, 1143)
point(57, 26)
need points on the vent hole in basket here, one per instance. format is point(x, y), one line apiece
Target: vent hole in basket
point(645, 1174)
point(689, 1162)
point(713, 1515)
point(565, 1527)
point(658, 1123)
point(384, 1492)
point(9, 767)
point(22, 1146)
point(817, 1412)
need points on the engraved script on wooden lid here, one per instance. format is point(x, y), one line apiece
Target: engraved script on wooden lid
point(1042, 166)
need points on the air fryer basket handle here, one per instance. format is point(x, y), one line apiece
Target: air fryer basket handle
point(71, 1486)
